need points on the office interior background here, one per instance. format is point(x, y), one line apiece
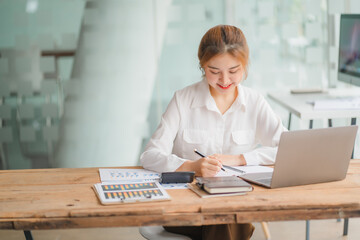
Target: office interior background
point(84, 83)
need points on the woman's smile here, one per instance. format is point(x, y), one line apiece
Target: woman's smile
point(224, 87)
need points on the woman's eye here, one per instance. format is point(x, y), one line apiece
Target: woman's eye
point(214, 72)
point(232, 72)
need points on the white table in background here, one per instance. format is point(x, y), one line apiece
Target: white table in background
point(301, 105)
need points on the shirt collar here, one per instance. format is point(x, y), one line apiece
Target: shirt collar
point(240, 101)
point(204, 98)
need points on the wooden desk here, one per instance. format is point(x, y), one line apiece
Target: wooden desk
point(64, 198)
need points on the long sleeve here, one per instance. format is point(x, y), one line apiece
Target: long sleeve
point(157, 155)
point(268, 131)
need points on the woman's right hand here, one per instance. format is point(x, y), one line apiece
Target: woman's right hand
point(203, 167)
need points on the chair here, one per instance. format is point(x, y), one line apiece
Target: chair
point(25, 113)
point(50, 112)
point(28, 125)
point(48, 66)
point(159, 233)
point(6, 134)
point(266, 230)
point(4, 66)
point(36, 120)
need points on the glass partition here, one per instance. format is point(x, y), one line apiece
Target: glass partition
point(84, 83)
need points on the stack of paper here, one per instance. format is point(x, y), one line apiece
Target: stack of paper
point(116, 175)
point(338, 104)
point(240, 170)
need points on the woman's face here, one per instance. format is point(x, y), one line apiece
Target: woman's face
point(223, 73)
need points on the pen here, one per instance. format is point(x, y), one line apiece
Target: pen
point(202, 155)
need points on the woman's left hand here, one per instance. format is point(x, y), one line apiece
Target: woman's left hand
point(230, 160)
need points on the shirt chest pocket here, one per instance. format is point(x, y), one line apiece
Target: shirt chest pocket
point(195, 136)
point(243, 137)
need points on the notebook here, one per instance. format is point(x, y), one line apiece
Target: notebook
point(309, 156)
point(228, 184)
point(203, 194)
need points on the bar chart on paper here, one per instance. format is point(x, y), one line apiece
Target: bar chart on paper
point(130, 192)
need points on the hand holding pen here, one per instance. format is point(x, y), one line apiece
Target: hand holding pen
point(232, 169)
point(202, 155)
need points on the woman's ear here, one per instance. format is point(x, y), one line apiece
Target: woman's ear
point(202, 71)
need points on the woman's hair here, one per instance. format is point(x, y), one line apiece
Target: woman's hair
point(224, 39)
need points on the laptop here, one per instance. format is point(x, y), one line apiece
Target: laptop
point(309, 156)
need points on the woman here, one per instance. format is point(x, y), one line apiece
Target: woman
point(233, 125)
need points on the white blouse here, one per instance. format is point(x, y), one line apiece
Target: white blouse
point(192, 120)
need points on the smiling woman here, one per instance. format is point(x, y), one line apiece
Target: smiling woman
point(221, 118)
point(220, 107)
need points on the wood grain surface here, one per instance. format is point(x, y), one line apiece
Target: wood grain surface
point(64, 198)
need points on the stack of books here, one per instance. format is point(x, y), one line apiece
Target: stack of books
point(220, 186)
